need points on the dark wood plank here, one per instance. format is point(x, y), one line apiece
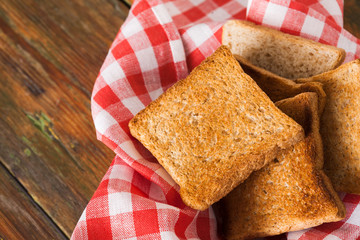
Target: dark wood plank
point(352, 17)
point(72, 35)
point(50, 55)
point(20, 216)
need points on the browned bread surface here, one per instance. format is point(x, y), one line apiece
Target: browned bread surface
point(340, 125)
point(213, 128)
point(279, 88)
point(290, 193)
point(303, 108)
point(283, 54)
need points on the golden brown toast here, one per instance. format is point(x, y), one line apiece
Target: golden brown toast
point(290, 193)
point(286, 55)
point(340, 125)
point(213, 128)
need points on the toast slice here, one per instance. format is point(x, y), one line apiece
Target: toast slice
point(304, 109)
point(290, 193)
point(279, 88)
point(340, 125)
point(213, 128)
point(286, 55)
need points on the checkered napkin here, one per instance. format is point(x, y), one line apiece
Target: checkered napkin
point(158, 44)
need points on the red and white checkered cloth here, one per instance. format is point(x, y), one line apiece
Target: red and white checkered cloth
point(158, 44)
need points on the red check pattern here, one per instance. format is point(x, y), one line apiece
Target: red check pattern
point(158, 44)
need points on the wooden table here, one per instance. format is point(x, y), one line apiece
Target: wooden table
point(50, 160)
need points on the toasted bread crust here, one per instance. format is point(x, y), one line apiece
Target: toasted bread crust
point(340, 125)
point(290, 193)
point(279, 88)
point(302, 108)
point(286, 55)
point(212, 129)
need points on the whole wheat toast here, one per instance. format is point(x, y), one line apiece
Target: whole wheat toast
point(279, 88)
point(213, 128)
point(290, 193)
point(286, 55)
point(340, 125)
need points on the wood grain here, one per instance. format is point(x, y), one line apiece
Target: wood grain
point(50, 55)
point(20, 216)
point(352, 17)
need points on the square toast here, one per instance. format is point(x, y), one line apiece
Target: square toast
point(290, 193)
point(286, 55)
point(340, 125)
point(213, 128)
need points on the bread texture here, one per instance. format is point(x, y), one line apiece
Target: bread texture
point(286, 55)
point(213, 128)
point(340, 125)
point(290, 193)
point(279, 88)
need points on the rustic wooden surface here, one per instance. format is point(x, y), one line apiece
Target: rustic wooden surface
point(50, 54)
point(352, 17)
point(50, 160)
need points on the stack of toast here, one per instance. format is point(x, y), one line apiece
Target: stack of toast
point(266, 128)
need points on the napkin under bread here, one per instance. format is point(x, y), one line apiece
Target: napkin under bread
point(155, 47)
point(213, 128)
